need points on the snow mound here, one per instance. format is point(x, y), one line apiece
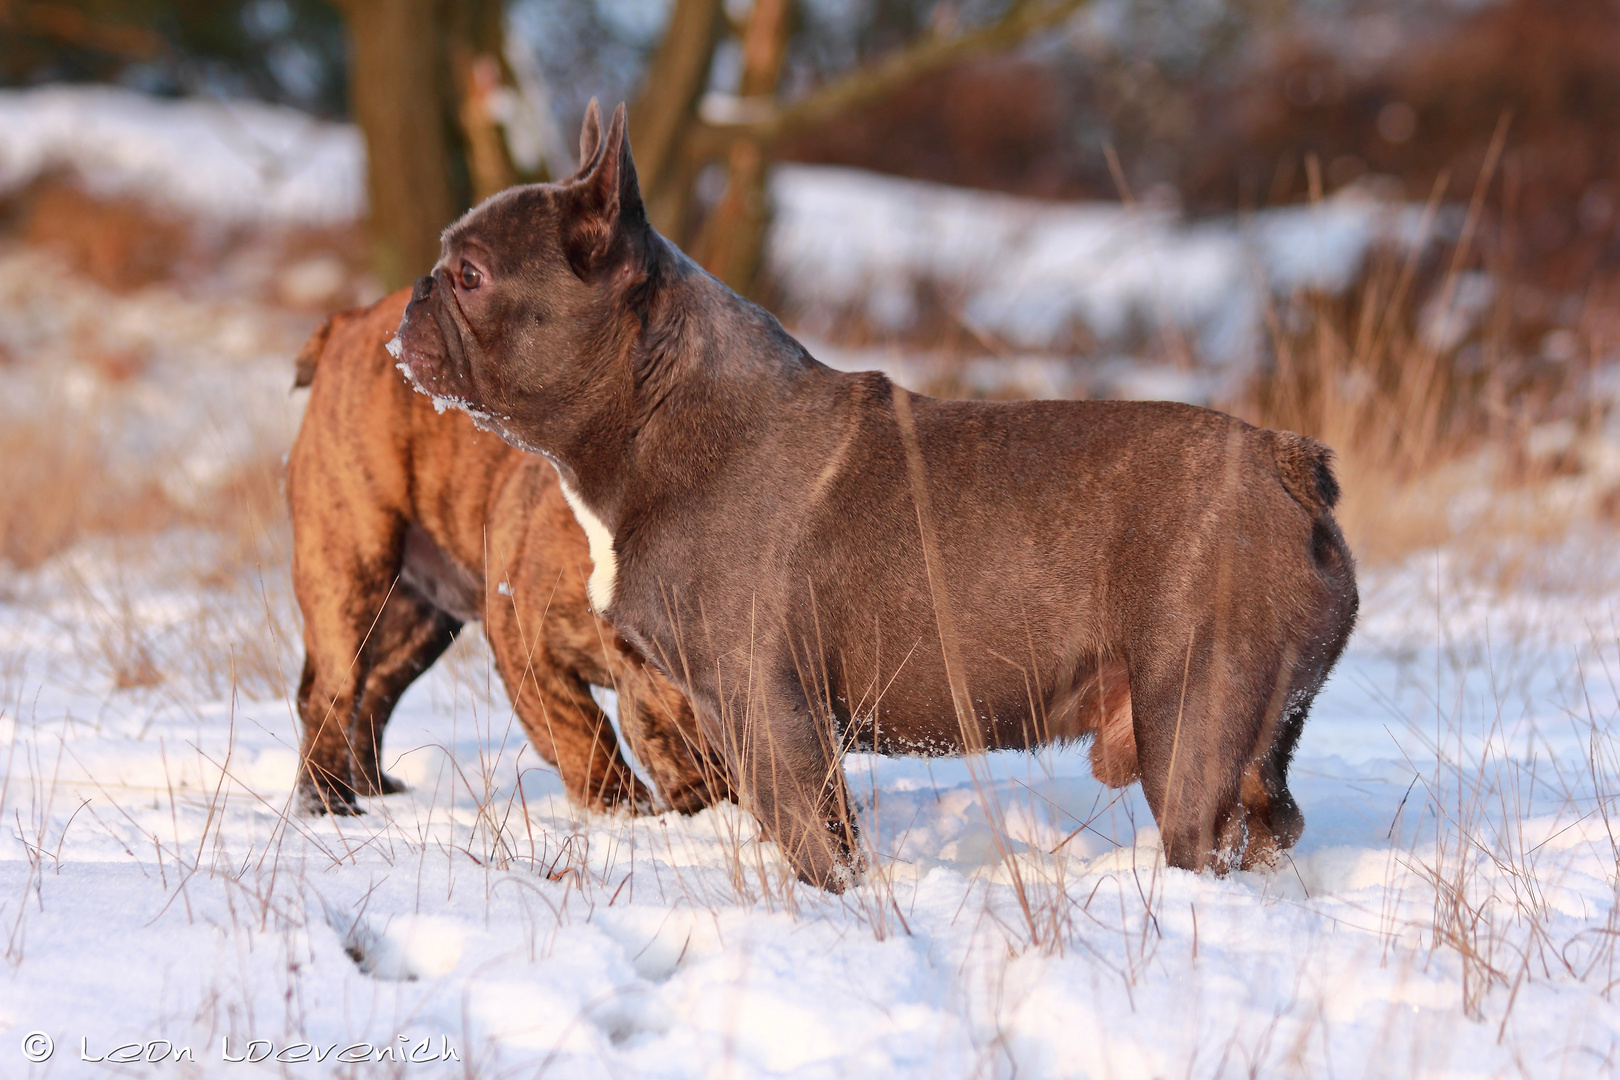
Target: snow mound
point(1035, 273)
point(237, 162)
point(401, 949)
point(1038, 275)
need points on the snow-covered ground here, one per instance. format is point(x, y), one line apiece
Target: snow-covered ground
point(1450, 910)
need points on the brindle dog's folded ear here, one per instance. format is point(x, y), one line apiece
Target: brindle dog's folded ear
point(606, 223)
point(590, 135)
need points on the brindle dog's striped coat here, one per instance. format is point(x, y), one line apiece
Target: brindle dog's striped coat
point(406, 524)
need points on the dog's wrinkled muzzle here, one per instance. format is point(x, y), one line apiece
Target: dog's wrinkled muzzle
point(430, 352)
point(421, 348)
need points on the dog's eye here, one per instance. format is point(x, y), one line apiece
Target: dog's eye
point(470, 277)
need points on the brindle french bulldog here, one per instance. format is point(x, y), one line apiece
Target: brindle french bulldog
point(407, 523)
point(824, 560)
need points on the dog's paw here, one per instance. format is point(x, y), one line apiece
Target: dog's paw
point(835, 864)
point(382, 784)
point(622, 793)
point(694, 798)
point(840, 873)
point(314, 801)
point(636, 801)
point(847, 871)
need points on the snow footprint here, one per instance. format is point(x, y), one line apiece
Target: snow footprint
point(400, 948)
point(657, 943)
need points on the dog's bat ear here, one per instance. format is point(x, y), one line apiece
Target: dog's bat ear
point(609, 219)
point(617, 144)
point(590, 135)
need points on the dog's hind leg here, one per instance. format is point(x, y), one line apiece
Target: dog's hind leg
point(1195, 732)
point(1273, 817)
point(1270, 813)
point(346, 561)
point(409, 636)
point(324, 772)
point(337, 624)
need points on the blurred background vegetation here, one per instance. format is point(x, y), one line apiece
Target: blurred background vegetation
point(1218, 104)
point(1500, 116)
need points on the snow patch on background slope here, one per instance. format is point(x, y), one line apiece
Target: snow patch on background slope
point(235, 162)
point(1034, 272)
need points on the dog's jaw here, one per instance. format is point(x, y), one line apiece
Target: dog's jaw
point(429, 377)
point(441, 402)
point(604, 564)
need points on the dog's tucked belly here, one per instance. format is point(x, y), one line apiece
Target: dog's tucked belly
point(1095, 702)
point(445, 583)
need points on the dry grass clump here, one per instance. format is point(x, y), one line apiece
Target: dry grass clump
point(125, 244)
point(128, 413)
point(158, 584)
point(59, 487)
point(183, 614)
point(1445, 421)
point(36, 519)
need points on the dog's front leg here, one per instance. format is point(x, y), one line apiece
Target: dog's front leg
point(793, 780)
point(657, 722)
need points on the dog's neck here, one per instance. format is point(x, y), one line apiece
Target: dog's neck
point(699, 376)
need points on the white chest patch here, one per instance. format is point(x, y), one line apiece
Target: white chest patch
point(599, 586)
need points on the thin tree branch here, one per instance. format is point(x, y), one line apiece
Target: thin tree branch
point(885, 77)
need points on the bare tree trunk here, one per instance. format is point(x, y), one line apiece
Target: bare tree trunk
point(397, 95)
point(887, 76)
point(674, 142)
point(733, 238)
point(488, 166)
point(665, 114)
point(473, 35)
point(419, 78)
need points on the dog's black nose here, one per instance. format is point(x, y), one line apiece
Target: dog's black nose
point(424, 288)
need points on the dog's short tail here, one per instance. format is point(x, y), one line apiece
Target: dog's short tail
point(1306, 468)
point(309, 357)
